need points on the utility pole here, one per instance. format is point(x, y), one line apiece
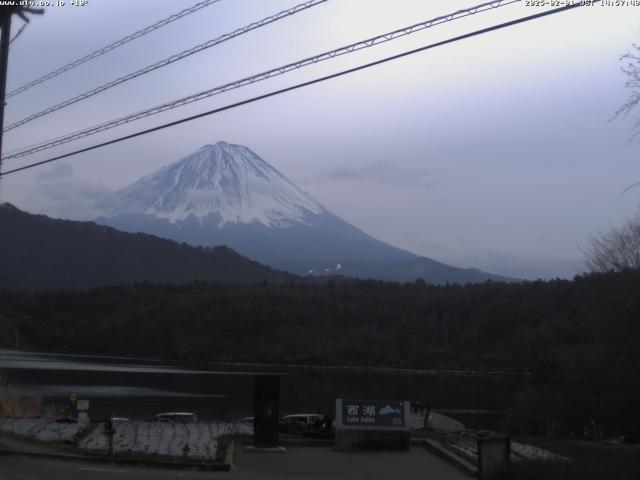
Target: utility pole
point(5, 39)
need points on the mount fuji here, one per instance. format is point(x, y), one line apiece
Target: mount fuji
point(225, 194)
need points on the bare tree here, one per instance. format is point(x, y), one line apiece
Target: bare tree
point(618, 249)
point(631, 69)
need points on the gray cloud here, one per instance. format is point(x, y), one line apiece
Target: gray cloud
point(60, 194)
point(386, 173)
point(58, 171)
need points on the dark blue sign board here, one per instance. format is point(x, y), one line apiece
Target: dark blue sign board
point(358, 414)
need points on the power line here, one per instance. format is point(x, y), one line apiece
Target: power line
point(298, 86)
point(369, 42)
point(6, 14)
point(169, 60)
point(112, 46)
point(30, 146)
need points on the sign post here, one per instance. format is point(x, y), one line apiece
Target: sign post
point(73, 400)
point(109, 431)
point(380, 424)
point(83, 410)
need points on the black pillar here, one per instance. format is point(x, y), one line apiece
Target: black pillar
point(266, 410)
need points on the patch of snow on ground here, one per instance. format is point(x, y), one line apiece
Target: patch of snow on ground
point(195, 441)
point(529, 452)
point(469, 449)
point(519, 452)
point(43, 429)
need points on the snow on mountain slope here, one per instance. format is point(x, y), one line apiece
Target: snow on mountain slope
point(225, 194)
point(227, 182)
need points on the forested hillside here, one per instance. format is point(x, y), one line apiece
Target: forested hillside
point(579, 338)
point(38, 252)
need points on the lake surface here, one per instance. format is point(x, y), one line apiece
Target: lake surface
point(139, 389)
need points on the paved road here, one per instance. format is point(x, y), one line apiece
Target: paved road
point(15, 444)
point(317, 463)
point(302, 463)
point(23, 468)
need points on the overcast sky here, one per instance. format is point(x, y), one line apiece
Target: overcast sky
point(495, 152)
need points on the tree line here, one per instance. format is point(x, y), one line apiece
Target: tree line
point(579, 338)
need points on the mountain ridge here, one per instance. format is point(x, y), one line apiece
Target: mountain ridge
point(38, 252)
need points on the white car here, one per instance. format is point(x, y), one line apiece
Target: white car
point(299, 422)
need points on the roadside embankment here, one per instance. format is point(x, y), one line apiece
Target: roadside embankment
point(167, 444)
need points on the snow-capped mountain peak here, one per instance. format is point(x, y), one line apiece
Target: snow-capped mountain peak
point(225, 194)
point(225, 183)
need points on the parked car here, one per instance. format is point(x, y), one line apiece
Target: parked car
point(300, 423)
point(176, 417)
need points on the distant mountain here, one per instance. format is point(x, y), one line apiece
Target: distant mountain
point(38, 252)
point(225, 194)
point(219, 184)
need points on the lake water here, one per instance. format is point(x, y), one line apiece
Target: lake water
point(141, 388)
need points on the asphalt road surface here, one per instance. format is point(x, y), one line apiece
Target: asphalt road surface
point(302, 463)
point(25, 468)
